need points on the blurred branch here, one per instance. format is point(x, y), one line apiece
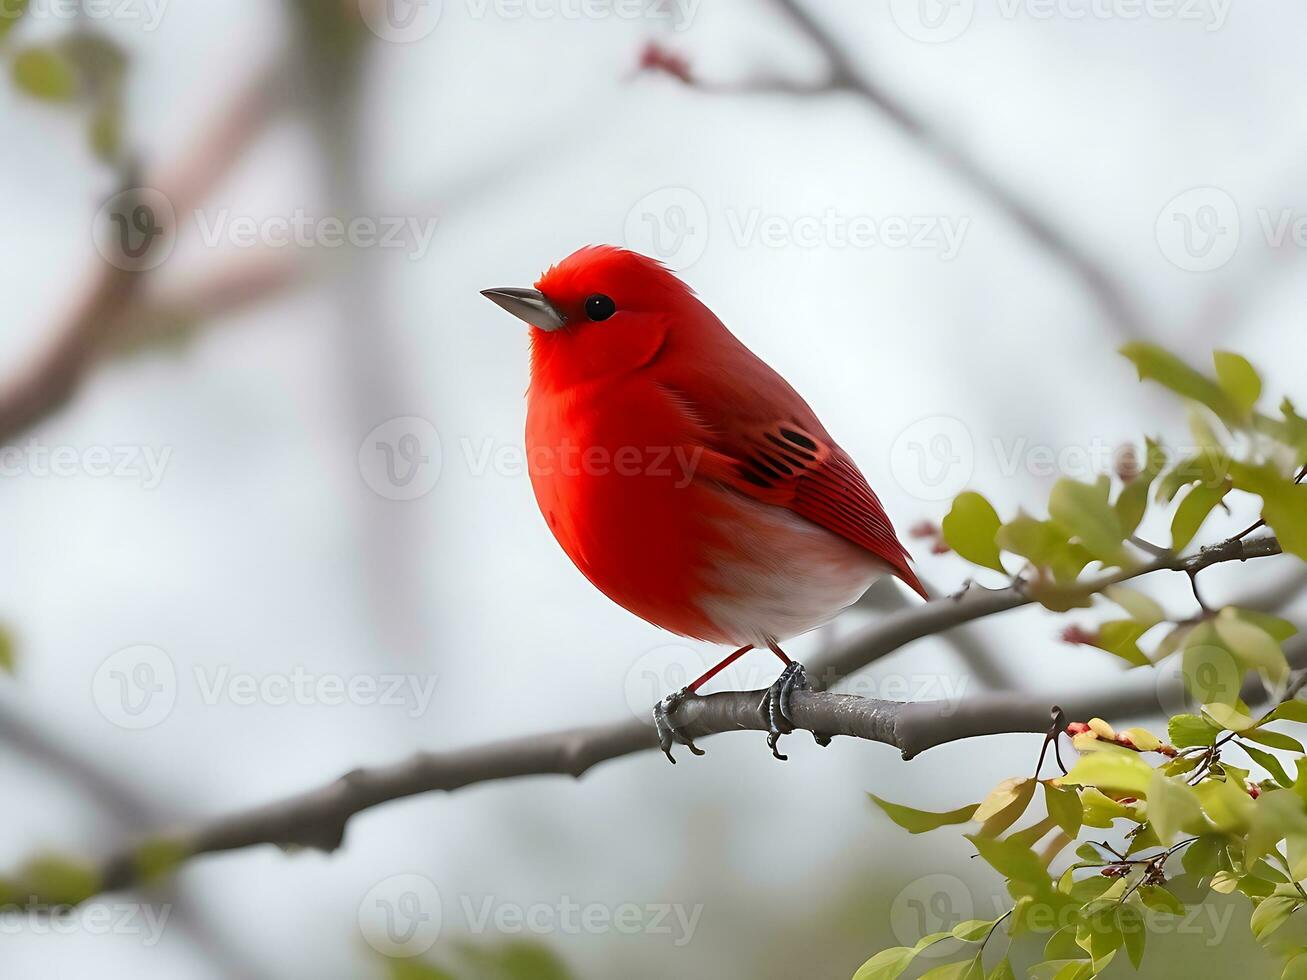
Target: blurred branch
point(122, 804)
point(105, 302)
point(161, 318)
point(980, 659)
point(1110, 295)
point(317, 818)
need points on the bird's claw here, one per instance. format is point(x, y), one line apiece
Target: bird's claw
point(775, 707)
point(668, 733)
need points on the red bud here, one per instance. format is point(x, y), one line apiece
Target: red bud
point(656, 58)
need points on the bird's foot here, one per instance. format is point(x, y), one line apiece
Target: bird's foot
point(775, 707)
point(668, 733)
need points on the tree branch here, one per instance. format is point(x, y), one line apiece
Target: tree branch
point(317, 818)
point(102, 309)
point(1110, 296)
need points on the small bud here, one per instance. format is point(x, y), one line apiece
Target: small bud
point(1125, 742)
point(656, 58)
point(1076, 728)
point(1084, 742)
point(924, 529)
point(1102, 729)
point(1078, 635)
point(1254, 790)
point(1127, 464)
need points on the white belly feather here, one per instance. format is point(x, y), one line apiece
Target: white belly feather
point(784, 575)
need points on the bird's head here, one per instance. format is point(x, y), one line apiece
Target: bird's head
point(603, 310)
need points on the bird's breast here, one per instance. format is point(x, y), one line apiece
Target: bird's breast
point(624, 480)
point(617, 475)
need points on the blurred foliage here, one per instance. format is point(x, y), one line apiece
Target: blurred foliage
point(83, 70)
point(8, 652)
point(514, 960)
point(1179, 800)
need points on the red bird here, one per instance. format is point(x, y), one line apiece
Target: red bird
point(682, 475)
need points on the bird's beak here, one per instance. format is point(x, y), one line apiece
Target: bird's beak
point(526, 304)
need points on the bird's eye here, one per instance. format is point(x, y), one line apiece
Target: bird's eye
point(599, 307)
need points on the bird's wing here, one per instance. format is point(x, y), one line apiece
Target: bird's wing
point(774, 449)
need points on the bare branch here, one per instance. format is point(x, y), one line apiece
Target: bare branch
point(100, 310)
point(317, 818)
point(1110, 295)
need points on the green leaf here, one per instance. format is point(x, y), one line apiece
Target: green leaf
point(1235, 717)
point(1238, 379)
point(1294, 710)
point(1284, 503)
point(970, 529)
point(972, 930)
point(44, 73)
point(1270, 914)
point(158, 858)
point(971, 969)
point(920, 821)
point(1082, 509)
point(1173, 807)
point(1013, 861)
point(1277, 815)
point(397, 969)
point(887, 964)
point(1135, 932)
point(1268, 762)
point(105, 132)
point(1229, 806)
point(1100, 933)
point(59, 880)
point(516, 959)
point(1003, 971)
point(1276, 740)
point(1156, 364)
point(1037, 541)
point(1202, 858)
point(10, 12)
point(1254, 647)
point(1279, 629)
point(1123, 771)
point(1143, 608)
point(1296, 968)
point(1211, 671)
point(1132, 502)
point(1062, 970)
point(1101, 810)
point(1065, 808)
point(1159, 899)
point(1186, 731)
point(1121, 638)
point(1004, 806)
point(1198, 503)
